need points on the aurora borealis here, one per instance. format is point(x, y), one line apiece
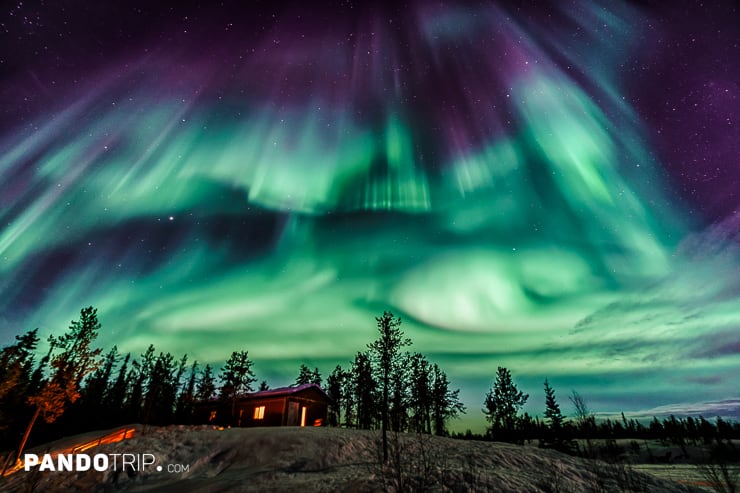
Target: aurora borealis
point(551, 189)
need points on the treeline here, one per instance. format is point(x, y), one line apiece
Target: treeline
point(669, 430)
point(386, 384)
point(75, 388)
point(504, 400)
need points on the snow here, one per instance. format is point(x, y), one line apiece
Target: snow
point(332, 459)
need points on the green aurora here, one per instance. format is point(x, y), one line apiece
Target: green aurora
point(530, 226)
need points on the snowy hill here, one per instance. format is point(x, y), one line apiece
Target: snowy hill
point(204, 459)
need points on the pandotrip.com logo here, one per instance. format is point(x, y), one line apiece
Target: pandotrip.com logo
point(129, 462)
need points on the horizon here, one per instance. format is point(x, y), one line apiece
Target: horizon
point(474, 419)
point(549, 189)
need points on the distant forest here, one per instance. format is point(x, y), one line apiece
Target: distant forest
point(74, 387)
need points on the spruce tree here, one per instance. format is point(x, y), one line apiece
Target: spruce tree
point(386, 351)
point(334, 389)
point(365, 391)
point(134, 392)
point(16, 363)
point(552, 409)
point(237, 377)
point(400, 394)
point(159, 399)
point(348, 394)
point(115, 396)
point(138, 378)
point(17, 382)
point(502, 404)
point(316, 377)
point(446, 403)
point(306, 375)
point(89, 413)
point(421, 397)
point(206, 386)
point(184, 407)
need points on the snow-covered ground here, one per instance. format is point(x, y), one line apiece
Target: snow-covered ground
point(204, 459)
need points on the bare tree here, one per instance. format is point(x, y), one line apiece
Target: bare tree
point(585, 421)
point(584, 417)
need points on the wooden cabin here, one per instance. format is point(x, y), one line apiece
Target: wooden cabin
point(301, 405)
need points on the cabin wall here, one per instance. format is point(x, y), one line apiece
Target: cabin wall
point(316, 414)
point(278, 411)
point(271, 416)
point(316, 411)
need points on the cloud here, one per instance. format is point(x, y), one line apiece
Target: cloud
point(691, 313)
point(717, 345)
point(726, 409)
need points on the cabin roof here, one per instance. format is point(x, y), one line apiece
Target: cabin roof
point(286, 391)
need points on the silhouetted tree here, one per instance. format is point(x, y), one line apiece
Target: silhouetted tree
point(724, 431)
point(334, 389)
point(692, 430)
point(89, 412)
point(16, 383)
point(113, 403)
point(306, 375)
point(674, 431)
point(136, 383)
point(420, 402)
point(400, 396)
point(386, 350)
point(655, 429)
point(263, 386)
point(707, 430)
point(237, 378)
point(206, 388)
point(16, 364)
point(38, 375)
point(552, 409)
point(159, 399)
point(526, 428)
point(348, 394)
point(177, 383)
point(585, 421)
point(134, 392)
point(185, 401)
point(553, 428)
point(502, 403)
point(365, 391)
point(446, 403)
point(73, 360)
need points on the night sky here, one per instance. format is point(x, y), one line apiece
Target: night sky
point(551, 187)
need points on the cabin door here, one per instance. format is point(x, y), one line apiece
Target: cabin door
point(294, 415)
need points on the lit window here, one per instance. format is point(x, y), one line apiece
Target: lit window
point(259, 412)
point(212, 416)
